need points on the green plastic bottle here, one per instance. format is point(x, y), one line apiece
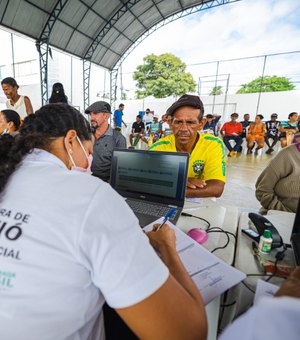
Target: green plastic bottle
point(265, 242)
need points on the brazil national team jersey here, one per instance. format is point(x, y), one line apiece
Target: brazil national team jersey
point(207, 160)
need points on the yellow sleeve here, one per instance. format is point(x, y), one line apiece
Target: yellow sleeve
point(215, 165)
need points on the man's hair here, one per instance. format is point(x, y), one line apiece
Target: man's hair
point(121, 105)
point(138, 116)
point(260, 116)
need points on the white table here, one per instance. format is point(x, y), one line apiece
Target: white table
point(245, 262)
point(225, 217)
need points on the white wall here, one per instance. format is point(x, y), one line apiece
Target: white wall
point(280, 102)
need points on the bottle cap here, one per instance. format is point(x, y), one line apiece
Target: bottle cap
point(267, 233)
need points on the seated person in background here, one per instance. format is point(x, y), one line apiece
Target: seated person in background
point(155, 129)
point(9, 122)
point(272, 127)
point(278, 186)
point(256, 133)
point(84, 251)
point(211, 124)
point(245, 123)
point(147, 119)
point(207, 165)
point(272, 318)
point(166, 125)
point(232, 131)
point(288, 129)
point(138, 128)
point(106, 139)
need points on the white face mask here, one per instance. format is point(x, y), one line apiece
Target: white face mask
point(88, 157)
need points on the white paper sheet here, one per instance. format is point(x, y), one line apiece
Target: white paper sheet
point(264, 288)
point(211, 275)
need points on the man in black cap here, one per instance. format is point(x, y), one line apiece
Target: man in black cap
point(272, 132)
point(106, 139)
point(207, 165)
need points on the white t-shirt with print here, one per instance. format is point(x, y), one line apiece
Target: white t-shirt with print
point(67, 243)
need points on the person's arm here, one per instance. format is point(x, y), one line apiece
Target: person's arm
point(28, 106)
point(121, 142)
point(240, 129)
point(175, 310)
point(124, 123)
point(114, 120)
point(250, 128)
point(223, 130)
point(199, 188)
point(279, 167)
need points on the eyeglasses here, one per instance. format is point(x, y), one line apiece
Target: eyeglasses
point(190, 123)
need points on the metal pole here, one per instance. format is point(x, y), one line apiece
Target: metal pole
point(121, 82)
point(104, 85)
point(225, 97)
point(199, 87)
point(261, 83)
point(216, 82)
point(71, 80)
point(13, 53)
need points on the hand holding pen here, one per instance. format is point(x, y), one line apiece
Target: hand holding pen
point(167, 217)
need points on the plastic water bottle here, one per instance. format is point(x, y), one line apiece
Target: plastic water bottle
point(265, 242)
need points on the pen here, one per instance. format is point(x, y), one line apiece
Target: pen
point(167, 217)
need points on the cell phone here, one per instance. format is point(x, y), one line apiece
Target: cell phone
point(252, 234)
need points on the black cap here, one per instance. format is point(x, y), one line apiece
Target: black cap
point(186, 100)
point(234, 114)
point(98, 107)
point(209, 116)
point(274, 115)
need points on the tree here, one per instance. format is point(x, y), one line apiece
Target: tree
point(267, 84)
point(162, 76)
point(217, 90)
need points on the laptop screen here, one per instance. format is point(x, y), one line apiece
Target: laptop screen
point(296, 227)
point(138, 173)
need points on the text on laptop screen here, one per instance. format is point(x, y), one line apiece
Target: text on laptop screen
point(153, 173)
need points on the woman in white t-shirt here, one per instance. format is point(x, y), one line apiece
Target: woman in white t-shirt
point(20, 104)
point(69, 242)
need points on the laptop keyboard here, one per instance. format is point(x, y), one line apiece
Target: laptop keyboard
point(148, 208)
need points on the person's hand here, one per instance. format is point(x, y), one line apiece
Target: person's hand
point(196, 183)
point(163, 238)
point(125, 125)
point(291, 286)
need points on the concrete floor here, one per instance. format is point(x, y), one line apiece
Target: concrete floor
point(242, 173)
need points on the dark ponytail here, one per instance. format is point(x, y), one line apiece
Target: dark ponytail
point(38, 131)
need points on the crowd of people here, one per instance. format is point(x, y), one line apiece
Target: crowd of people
point(83, 246)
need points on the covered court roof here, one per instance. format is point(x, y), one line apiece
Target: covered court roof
point(97, 30)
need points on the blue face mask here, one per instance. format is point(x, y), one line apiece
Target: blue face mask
point(88, 157)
